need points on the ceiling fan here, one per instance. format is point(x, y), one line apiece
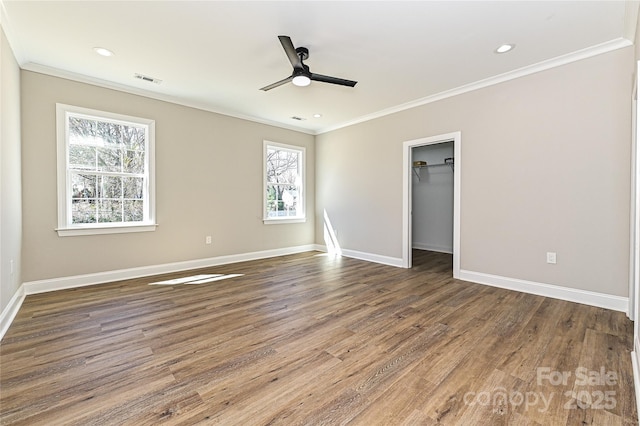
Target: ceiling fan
point(301, 75)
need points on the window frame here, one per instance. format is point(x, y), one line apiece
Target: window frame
point(64, 196)
point(301, 217)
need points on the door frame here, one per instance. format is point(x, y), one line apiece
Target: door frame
point(634, 243)
point(634, 266)
point(407, 222)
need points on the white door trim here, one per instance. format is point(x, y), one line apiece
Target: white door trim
point(456, 138)
point(634, 261)
point(634, 267)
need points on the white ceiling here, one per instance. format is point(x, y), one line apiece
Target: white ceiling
point(216, 55)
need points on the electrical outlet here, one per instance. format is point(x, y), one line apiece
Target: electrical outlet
point(207, 240)
point(551, 257)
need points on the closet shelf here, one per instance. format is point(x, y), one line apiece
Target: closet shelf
point(447, 162)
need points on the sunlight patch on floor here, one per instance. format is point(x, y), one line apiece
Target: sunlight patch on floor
point(197, 279)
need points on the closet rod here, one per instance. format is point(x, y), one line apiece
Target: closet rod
point(447, 162)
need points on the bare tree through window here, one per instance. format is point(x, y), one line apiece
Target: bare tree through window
point(106, 170)
point(283, 182)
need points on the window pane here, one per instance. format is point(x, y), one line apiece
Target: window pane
point(109, 160)
point(82, 157)
point(83, 186)
point(82, 131)
point(133, 162)
point(134, 138)
point(110, 133)
point(282, 166)
point(290, 201)
point(272, 209)
point(272, 205)
point(110, 187)
point(83, 211)
point(109, 211)
point(133, 211)
point(282, 201)
point(132, 187)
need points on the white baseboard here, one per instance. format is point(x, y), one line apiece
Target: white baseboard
point(636, 374)
point(369, 257)
point(10, 311)
point(42, 286)
point(431, 247)
point(320, 247)
point(601, 300)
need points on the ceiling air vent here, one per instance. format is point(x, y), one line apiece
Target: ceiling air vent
point(147, 78)
point(295, 117)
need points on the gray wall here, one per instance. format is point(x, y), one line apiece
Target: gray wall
point(545, 167)
point(208, 182)
point(10, 174)
point(432, 199)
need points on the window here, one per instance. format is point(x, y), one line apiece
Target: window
point(283, 183)
point(105, 172)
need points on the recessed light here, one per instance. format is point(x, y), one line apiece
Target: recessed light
point(102, 51)
point(505, 48)
point(317, 115)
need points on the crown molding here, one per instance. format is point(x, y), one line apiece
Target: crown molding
point(81, 78)
point(8, 32)
point(631, 8)
point(588, 52)
point(619, 43)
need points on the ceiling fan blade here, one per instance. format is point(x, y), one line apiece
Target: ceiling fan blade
point(290, 51)
point(277, 83)
point(333, 80)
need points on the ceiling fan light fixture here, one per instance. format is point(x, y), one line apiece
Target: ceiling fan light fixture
point(301, 80)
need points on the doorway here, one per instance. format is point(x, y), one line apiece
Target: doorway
point(407, 194)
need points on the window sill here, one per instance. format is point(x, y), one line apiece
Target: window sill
point(100, 230)
point(276, 221)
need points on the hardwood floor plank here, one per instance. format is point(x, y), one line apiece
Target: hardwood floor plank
point(279, 387)
point(525, 356)
point(397, 404)
point(498, 401)
point(418, 418)
point(598, 375)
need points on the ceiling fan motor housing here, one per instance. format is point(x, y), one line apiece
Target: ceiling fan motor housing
point(303, 53)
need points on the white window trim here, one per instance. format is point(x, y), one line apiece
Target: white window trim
point(65, 228)
point(276, 220)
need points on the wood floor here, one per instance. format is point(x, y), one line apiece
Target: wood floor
point(308, 340)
